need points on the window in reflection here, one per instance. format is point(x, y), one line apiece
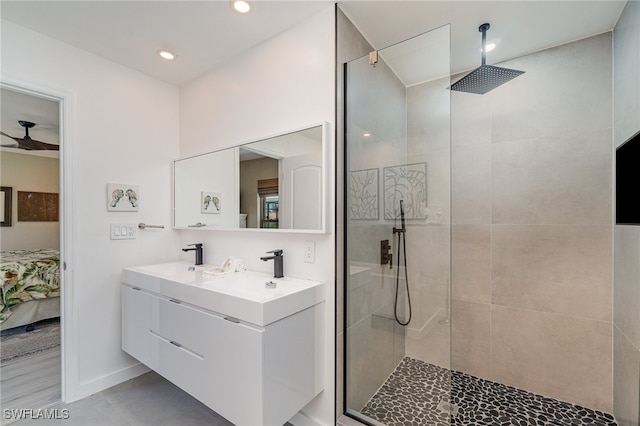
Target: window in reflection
point(269, 211)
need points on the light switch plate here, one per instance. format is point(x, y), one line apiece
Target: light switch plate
point(123, 231)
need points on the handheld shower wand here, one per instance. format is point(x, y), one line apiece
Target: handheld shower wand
point(401, 235)
point(403, 227)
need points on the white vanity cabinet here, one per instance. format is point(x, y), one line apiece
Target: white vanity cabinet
point(250, 374)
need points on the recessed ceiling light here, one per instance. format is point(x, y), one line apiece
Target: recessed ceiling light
point(165, 54)
point(489, 47)
point(241, 6)
point(366, 135)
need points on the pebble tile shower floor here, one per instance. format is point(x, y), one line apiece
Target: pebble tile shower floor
point(417, 393)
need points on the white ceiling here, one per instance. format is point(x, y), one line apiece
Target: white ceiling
point(203, 34)
point(517, 27)
point(207, 33)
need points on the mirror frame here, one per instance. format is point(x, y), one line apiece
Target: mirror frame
point(325, 182)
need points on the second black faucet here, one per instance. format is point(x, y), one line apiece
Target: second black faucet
point(277, 262)
point(198, 250)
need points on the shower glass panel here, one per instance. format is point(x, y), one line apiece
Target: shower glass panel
point(397, 233)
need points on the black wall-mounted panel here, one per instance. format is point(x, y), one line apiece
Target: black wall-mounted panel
point(628, 182)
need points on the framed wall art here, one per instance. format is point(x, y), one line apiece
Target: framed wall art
point(363, 195)
point(5, 205)
point(407, 182)
point(123, 197)
point(37, 206)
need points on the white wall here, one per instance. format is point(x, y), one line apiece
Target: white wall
point(283, 84)
point(123, 128)
point(24, 172)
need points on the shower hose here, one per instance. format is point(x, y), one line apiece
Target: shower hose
point(402, 237)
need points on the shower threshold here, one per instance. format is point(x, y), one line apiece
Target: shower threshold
point(418, 393)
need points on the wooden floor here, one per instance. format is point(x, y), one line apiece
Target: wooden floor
point(30, 383)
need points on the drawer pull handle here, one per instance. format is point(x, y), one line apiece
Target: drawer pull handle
point(232, 319)
point(175, 344)
point(175, 301)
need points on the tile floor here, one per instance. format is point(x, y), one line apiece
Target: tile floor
point(418, 393)
point(147, 400)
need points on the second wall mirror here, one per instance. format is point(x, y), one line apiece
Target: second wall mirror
point(277, 183)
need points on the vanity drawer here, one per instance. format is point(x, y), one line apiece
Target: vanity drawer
point(235, 372)
point(136, 320)
point(216, 360)
point(177, 321)
point(178, 364)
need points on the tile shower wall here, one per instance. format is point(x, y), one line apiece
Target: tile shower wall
point(531, 226)
point(429, 240)
point(626, 301)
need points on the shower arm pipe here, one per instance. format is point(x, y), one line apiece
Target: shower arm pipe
point(483, 29)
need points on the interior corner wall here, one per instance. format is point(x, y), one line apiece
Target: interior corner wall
point(24, 172)
point(626, 291)
point(123, 129)
point(286, 83)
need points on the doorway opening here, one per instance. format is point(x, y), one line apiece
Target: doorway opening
point(31, 258)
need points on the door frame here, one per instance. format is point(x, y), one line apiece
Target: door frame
point(68, 323)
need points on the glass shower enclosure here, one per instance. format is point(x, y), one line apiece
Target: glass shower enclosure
point(398, 233)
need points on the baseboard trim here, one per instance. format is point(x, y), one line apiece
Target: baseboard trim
point(300, 419)
point(97, 385)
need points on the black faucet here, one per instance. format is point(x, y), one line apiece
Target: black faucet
point(277, 262)
point(198, 249)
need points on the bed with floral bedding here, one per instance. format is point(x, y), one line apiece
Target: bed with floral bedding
point(28, 276)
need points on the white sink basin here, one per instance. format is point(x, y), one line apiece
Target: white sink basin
point(172, 268)
point(241, 295)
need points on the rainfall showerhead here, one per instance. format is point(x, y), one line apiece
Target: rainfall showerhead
point(485, 77)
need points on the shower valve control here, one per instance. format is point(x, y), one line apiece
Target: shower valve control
point(385, 253)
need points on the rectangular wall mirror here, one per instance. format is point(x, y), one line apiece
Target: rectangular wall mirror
point(272, 184)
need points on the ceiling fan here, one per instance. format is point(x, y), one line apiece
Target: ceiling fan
point(27, 143)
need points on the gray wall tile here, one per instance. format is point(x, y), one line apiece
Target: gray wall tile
point(560, 356)
point(626, 376)
point(553, 268)
point(626, 112)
